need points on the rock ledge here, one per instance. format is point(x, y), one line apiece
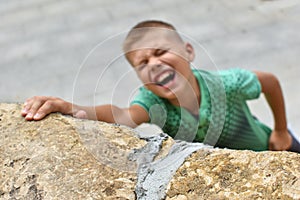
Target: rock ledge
point(65, 158)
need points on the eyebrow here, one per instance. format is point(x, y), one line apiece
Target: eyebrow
point(141, 56)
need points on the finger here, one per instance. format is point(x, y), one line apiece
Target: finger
point(26, 107)
point(290, 142)
point(35, 106)
point(30, 102)
point(271, 146)
point(277, 147)
point(44, 110)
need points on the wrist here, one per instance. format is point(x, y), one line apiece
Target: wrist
point(79, 111)
point(67, 108)
point(281, 125)
point(280, 129)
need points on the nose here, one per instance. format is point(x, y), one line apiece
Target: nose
point(154, 63)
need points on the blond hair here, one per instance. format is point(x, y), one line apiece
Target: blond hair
point(140, 29)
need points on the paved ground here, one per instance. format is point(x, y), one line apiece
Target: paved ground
point(43, 43)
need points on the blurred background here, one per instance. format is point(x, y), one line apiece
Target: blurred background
point(72, 49)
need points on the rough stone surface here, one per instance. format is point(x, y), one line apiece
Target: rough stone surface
point(48, 159)
point(66, 158)
point(229, 174)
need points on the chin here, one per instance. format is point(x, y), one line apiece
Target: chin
point(163, 92)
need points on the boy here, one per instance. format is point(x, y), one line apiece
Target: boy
point(192, 105)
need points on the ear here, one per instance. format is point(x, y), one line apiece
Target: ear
point(190, 52)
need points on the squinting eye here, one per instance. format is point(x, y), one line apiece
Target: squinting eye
point(160, 52)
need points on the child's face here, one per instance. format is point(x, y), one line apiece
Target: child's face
point(162, 64)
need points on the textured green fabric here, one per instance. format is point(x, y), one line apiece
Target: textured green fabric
point(224, 117)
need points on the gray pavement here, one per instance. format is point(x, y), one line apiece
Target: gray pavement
point(44, 43)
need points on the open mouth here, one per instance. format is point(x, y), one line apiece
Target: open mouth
point(164, 78)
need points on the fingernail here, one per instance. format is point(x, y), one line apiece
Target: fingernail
point(36, 116)
point(29, 115)
point(24, 110)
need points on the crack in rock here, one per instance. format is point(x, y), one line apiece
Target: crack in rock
point(154, 176)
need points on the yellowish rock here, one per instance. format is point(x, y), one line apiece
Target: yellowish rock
point(236, 174)
point(65, 158)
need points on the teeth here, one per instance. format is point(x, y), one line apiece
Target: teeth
point(165, 78)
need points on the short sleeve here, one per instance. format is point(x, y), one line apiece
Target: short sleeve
point(244, 82)
point(153, 105)
point(146, 99)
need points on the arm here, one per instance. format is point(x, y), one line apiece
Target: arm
point(36, 108)
point(280, 138)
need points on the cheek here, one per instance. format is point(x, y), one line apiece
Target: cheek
point(176, 61)
point(143, 76)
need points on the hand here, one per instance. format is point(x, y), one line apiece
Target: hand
point(36, 108)
point(280, 140)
